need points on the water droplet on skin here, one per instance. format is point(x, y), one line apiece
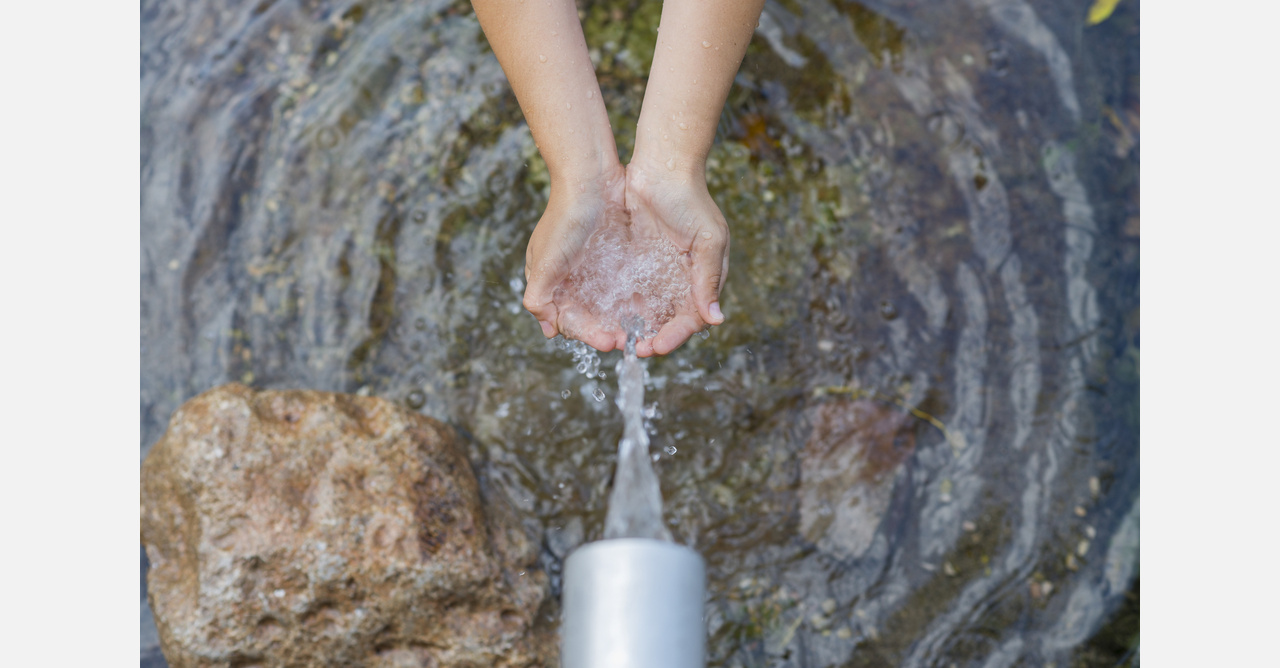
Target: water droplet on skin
point(706, 235)
point(590, 94)
point(542, 58)
point(664, 137)
point(706, 44)
point(565, 394)
point(684, 126)
point(598, 394)
point(568, 105)
point(670, 450)
point(671, 164)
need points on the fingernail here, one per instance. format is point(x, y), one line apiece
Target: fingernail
point(715, 313)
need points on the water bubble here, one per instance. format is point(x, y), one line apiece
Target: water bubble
point(598, 394)
point(704, 334)
point(516, 285)
point(887, 310)
point(416, 399)
point(327, 138)
point(656, 456)
point(582, 367)
point(420, 324)
point(419, 216)
point(670, 450)
point(565, 394)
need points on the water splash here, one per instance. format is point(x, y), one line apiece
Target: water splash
point(635, 506)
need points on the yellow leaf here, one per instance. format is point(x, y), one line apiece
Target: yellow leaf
point(1101, 11)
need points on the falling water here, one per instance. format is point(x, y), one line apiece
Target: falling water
point(635, 506)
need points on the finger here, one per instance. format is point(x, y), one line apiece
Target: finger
point(545, 311)
point(577, 324)
point(675, 333)
point(710, 252)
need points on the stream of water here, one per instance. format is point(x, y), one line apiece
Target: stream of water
point(635, 504)
point(913, 442)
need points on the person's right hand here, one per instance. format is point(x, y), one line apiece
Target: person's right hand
point(575, 210)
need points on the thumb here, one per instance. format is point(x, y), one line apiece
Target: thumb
point(538, 299)
point(710, 264)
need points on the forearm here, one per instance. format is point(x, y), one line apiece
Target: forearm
point(700, 46)
point(544, 55)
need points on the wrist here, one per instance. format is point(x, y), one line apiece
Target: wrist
point(671, 145)
point(668, 165)
point(592, 177)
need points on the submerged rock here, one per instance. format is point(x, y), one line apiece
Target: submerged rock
point(312, 528)
point(847, 469)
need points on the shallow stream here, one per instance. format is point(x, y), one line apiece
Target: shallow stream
point(914, 442)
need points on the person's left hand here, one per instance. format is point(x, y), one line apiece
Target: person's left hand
point(678, 207)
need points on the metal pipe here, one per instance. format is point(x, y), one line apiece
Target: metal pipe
point(633, 603)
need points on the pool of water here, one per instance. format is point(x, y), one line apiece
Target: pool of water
point(915, 439)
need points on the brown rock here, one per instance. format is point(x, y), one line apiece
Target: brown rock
point(300, 528)
point(847, 469)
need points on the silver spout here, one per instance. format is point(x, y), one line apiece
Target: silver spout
point(633, 603)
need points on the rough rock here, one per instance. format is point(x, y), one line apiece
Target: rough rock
point(847, 470)
point(301, 528)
